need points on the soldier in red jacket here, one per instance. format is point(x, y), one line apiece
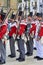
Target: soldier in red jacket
point(39, 40)
point(20, 37)
point(30, 30)
point(34, 26)
point(3, 29)
point(12, 36)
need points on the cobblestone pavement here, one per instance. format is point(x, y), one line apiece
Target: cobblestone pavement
point(28, 61)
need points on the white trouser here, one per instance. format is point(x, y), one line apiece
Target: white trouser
point(39, 49)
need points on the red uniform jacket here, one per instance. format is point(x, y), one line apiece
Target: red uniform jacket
point(3, 30)
point(41, 30)
point(33, 27)
point(13, 29)
point(22, 28)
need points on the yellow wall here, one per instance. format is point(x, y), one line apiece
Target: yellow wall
point(1, 2)
point(13, 4)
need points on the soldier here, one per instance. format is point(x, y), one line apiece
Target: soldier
point(39, 40)
point(21, 31)
point(29, 42)
point(35, 24)
point(12, 36)
point(3, 29)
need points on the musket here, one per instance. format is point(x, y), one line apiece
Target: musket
point(13, 20)
point(15, 36)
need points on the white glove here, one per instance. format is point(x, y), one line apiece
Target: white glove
point(28, 38)
point(18, 37)
point(23, 36)
point(41, 40)
point(14, 36)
